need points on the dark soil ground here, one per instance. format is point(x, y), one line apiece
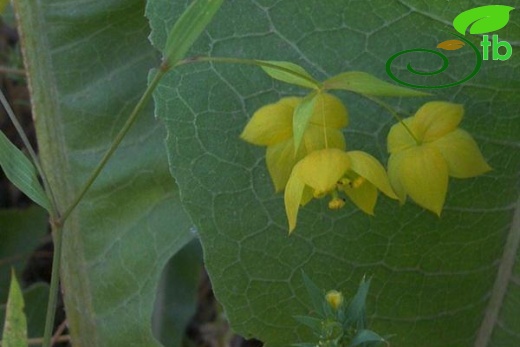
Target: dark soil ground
point(203, 330)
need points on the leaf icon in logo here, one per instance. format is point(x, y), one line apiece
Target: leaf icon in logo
point(451, 45)
point(482, 19)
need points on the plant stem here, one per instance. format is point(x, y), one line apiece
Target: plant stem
point(395, 115)
point(115, 144)
point(55, 281)
point(254, 62)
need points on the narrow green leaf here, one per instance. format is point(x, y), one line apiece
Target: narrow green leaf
point(367, 84)
point(35, 299)
point(290, 73)
point(21, 172)
point(188, 28)
point(483, 19)
point(15, 326)
point(355, 313)
point(302, 116)
point(365, 336)
point(316, 295)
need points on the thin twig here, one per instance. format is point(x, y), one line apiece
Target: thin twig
point(58, 332)
point(38, 340)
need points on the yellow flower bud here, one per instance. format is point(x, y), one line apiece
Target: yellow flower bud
point(334, 298)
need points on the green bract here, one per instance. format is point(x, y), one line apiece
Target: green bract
point(290, 73)
point(188, 28)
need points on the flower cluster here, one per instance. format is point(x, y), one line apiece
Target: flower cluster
point(320, 166)
point(424, 150)
point(272, 126)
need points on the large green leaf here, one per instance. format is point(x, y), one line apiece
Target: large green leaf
point(87, 64)
point(435, 281)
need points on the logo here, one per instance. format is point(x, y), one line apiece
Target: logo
point(479, 20)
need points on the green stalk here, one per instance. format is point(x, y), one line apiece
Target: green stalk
point(241, 61)
point(54, 287)
point(395, 115)
point(115, 144)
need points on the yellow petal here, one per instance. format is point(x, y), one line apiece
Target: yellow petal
point(322, 169)
point(436, 119)
point(280, 159)
point(317, 137)
point(394, 165)
point(292, 198)
point(423, 173)
point(329, 111)
point(307, 196)
point(399, 138)
point(271, 123)
point(462, 154)
point(371, 169)
point(364, 196)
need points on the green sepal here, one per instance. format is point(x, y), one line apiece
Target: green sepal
point(290, 73)
point(188, 28)
point(21, 172)
point(15, 326)
point(367, 84)
point(302, 115)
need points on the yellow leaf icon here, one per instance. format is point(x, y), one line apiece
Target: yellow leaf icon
point(451, 45)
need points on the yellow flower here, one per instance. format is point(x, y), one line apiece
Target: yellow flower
point(329, 171)
point(419, 166)
point(272, 126)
